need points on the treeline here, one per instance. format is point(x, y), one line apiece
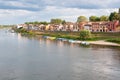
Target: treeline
point(113, 16)
point(93, 18)
point(53, 21)
point(7, 25)
point(36, 22)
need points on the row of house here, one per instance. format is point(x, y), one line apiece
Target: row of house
point(110, 26)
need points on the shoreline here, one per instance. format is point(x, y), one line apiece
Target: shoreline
point(72, 40)
point(104, 43)
point(99, 42)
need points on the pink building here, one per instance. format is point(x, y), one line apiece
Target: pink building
point(111, 26)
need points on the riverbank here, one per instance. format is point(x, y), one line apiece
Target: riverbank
point(90, 41)
point(99, 42)
point(102, 42)
point(108, 39)
point(24, 31)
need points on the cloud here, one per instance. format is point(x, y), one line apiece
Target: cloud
point(69, 14)
point(19, 4)
point(14, 16)
point(85, 4)
point(20, 11)
point(37, 5)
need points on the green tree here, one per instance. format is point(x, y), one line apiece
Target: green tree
point(85, 34)
point(56, 21)
point(82, 19)
point(114, 16)
point(104, 18)
point(26, 22)
point(44, 23)
point(97, 19)
point(63, 22)
point(94, 18)
point(36, 22)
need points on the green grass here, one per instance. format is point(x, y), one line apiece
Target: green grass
point(107, 36)
point(116, 40)
point(75, 35)
point(24, 31)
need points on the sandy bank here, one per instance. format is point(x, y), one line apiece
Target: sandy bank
point(102, 42)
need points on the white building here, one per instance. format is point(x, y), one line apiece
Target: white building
point(19, 26)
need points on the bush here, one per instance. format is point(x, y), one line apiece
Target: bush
point(85, 34)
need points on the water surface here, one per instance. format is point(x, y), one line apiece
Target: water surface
point(23, 58)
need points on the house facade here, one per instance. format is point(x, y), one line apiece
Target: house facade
point(109, 26)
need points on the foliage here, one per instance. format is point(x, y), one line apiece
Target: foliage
point(114, 16)
point(6, 26)
point(98, 19)
point(63, 22)
point(85, 34)
point(93, 18)
point(23, 31)
point(76, 35)
point(116, 40)
point(44, 23)
point(56, 21)
point(101, 18)
point(82, 19)
point(104, 18)
point(29, 22)
point(36, 23)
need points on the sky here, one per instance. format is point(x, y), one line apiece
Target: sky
point(20, 11)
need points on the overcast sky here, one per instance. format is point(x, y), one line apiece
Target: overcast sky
point(20, 11)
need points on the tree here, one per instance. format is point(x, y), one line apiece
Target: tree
point(56, 21)
point(104, 18)
point(114, 16)
point(36, 22)
point(44, 23)
point(82, 19)
point(94, 18)
point(63, 22)
point(26, 22)
point(85, 34)
point(97, 19)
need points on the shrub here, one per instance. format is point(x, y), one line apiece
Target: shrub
point(85, 34)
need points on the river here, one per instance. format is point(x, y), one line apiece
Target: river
point(29, 58)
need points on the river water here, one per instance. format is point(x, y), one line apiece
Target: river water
point(25, 58)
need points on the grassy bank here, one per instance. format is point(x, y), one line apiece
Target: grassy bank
point(116, 40)
point(24, 31)
point(106, 36)
point(66, 35)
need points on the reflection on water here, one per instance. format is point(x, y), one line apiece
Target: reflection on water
point(35, 58)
